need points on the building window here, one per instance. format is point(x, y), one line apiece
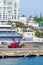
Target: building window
point(18, 16)
point(15, 17)
point(15, 5)
point(12, 16)
point(6, 17)
point(15, 13)
point(0, 17)
point(3, 17)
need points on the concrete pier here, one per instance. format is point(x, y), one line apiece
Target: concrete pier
point(20, 52)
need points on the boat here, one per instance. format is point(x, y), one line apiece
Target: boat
point(9, 34)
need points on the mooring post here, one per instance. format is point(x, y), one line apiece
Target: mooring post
point(2, 56)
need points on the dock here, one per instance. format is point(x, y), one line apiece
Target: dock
point(20, 52)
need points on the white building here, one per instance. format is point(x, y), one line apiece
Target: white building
point(23, 19)
point(9, 10)
point(27, 33)
point(19, 30)
point(31, 22)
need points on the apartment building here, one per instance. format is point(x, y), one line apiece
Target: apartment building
point(9, 10)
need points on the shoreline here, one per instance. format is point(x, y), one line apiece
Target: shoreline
point(16, 53)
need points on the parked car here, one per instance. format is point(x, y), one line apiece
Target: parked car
point(13, 45)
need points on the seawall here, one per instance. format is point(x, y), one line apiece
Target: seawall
point(20, 52)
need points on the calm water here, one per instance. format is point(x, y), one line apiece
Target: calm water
point(22, 61)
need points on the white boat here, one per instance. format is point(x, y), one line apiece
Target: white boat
point(8, 34)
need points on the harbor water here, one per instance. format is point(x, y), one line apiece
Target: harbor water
point(22, 61)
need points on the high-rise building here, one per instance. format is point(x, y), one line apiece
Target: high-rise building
point(9, 10)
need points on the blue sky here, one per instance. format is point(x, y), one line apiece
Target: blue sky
point(34, 7)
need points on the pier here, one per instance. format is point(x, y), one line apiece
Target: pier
point(20, 52)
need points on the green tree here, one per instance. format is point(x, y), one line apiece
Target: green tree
point(19, 24)
point(39, 34)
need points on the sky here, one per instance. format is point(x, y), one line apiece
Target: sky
point(31, 7)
